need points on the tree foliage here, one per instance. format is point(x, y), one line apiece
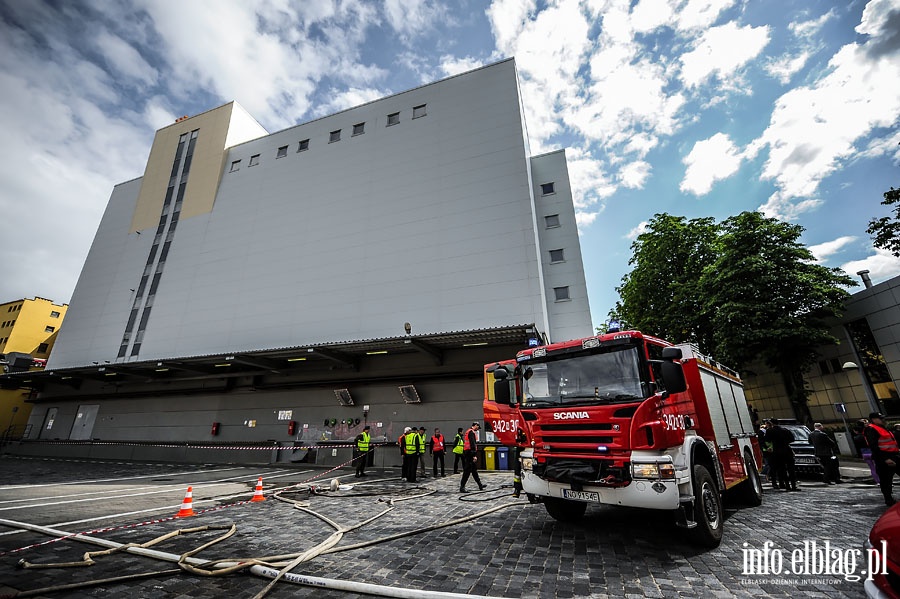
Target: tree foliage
point(743, 290)
point(885, 231)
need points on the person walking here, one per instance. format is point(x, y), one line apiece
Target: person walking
point(411, 453)
point(361, 451)
point(885, 454)
point(826, 450)
point(458, 443)
point(423, 445)
point(783, 457)
point(436, 447)
point(470, 458)
point(765, 444)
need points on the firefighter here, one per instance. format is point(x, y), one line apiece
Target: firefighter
point(411, 453)
point(361, 451)
point(423, 443)
point(885, 454)
point(436, 447)
point(470, 458)
point(457, 450)
point(401, 443)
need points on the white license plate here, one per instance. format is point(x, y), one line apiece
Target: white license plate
point(581, 495)
point(805, 460)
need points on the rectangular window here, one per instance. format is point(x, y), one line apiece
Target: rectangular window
point(551, 221)
point(547, 189)
point(42, 348)
point(393, 119)
point(282, 152)
point(557, 256)
point(235, 166)
point(334, 136)
point(49, 329)
point(836, 365)
point(823, 367)
point(419, 111)
point(254, 160)
point(303, 145)
point(359, 128)
point(561, 293)
point(54, 314)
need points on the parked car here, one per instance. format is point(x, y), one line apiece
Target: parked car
point(885, 585)
point(804, 453)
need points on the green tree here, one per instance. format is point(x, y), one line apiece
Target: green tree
point(885, 231)
point(767, 299)
point(660, 295)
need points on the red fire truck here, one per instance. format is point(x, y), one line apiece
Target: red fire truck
point(627, 419)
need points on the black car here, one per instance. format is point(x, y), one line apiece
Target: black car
point(804, 453)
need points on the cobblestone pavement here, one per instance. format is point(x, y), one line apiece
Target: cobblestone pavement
point(515, 551)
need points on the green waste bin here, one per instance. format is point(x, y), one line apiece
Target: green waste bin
point(490, 458)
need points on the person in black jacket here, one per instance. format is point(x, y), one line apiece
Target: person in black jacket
point(470, 458)
point(783, 456)
point(826, 450)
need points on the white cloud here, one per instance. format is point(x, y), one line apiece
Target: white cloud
point(649, 15)
point(410, 18)
point(450, 65)
point(824, 251)
point(125, 59)
point(721, 51)
point(812, 129)
point(634, 174)
point(784, 208)
point(810, 29)
point(638, 230)
point(699, 14)
point(709, 160)
point(785, 67)
point(881, 266)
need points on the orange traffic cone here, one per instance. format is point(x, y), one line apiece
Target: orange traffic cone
point(186, 509)
point(258, 494)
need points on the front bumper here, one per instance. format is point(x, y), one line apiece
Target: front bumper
point(650, 494)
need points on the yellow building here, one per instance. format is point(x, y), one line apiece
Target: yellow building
point(27, 326)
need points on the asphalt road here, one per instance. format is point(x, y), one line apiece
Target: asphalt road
point(415, 538)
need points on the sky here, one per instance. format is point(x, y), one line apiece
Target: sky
point(689, 107)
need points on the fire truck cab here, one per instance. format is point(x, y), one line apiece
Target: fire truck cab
point(627, 419)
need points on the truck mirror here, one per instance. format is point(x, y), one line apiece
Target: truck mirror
point(501, 392)
point(671, 353)
point(673, 376)
point(528, 373)
point(500, 374)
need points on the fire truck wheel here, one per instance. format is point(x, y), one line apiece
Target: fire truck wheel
point(707, 509)
point(564, 510)
point(750, 492)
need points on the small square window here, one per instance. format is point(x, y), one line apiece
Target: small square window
point(303, 145)
point(282, 152)
point(561, 293)
point(547, 189)
point(42, 348)
point(254, 160)
point(551, 221)
point(49, 329)
point(393, 119)
point(359, 128)
point(557, 256)
point(334, 136)
point(235, 166)
point(54, 314)
point(419, 111)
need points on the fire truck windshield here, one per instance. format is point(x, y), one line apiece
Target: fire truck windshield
point(611, 377)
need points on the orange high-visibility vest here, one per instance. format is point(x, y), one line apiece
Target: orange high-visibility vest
point(467, 445)
point(437, 443)
point(886, 441)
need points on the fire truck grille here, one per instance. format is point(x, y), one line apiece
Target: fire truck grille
point(566, 443)
point(575, 426)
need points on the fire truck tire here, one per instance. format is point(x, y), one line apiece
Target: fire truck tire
point(707, 509)
point(750, 492)
point(564, 510)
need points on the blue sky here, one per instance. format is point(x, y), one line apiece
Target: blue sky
point(691, 107)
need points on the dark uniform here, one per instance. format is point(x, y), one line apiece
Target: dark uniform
point(885, 454)
point(783, 457)
point(827, 453)
point(470, 458)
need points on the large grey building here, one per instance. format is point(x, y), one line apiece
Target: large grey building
point(376, 258)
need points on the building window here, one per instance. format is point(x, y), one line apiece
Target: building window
point(334, 136)
point(561, 293)
point(235, 166)
point(42, 348)
point(303, 145)
point(823, 367)
point(547, 189)
point(393, 119)
point(359, 128)
point(557, 256)
point(551, 221)
point(54, 314)
point(254, 160)
point(282, 152)
point(419, 111)
point(49, 329)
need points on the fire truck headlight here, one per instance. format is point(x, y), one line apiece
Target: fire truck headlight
point(527, 463)
point(653, 471)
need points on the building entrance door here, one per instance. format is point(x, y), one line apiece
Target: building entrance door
point(84, 422)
